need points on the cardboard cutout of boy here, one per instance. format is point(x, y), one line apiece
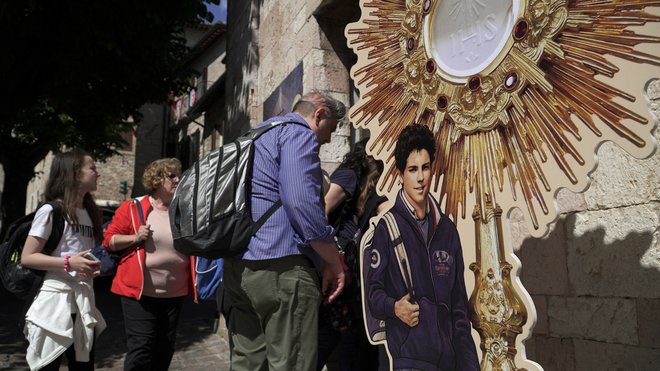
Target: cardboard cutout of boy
point(414, 292)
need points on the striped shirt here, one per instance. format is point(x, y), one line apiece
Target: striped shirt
point(287, 167)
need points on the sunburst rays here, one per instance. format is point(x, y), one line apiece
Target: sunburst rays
point(498, 137)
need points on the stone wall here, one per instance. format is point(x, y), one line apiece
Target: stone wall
point(115, 169)
point(242, 63)
point(595, 279)
point(261, 55)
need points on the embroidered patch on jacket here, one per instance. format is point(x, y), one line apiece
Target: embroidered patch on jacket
point(375, 259)
point(442, 262)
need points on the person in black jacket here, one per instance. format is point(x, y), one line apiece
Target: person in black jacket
point(349, 204)
point(420, 292)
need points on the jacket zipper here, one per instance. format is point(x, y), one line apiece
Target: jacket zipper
point(428, 255)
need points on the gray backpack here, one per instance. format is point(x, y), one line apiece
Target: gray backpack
point(210, 213)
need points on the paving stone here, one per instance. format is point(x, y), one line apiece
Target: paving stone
point(199, 346)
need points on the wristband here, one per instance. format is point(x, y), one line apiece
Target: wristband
point(67, 267)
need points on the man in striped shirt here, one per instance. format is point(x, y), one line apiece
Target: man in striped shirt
point(274, 286)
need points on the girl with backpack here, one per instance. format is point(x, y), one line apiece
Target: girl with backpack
point(63, 319)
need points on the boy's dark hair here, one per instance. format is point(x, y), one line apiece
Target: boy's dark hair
point(414, 137)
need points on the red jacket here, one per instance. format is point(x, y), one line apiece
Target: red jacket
point(129, 280)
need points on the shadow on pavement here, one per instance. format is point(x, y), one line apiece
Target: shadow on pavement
point(198, 346)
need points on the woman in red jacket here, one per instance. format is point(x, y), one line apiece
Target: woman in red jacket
point(153, 278)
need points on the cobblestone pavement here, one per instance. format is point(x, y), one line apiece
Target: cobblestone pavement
point(199, 345)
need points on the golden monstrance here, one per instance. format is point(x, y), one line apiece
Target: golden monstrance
point(518, 94)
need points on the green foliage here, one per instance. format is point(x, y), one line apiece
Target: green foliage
point(88, 65)
point(72, 72)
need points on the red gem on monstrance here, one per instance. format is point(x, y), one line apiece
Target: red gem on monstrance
point(427, 6)
point(443, 101)
point(521, 29)
point(410, 44)
point(474, 83)
point(430, 66)
point(511, 80)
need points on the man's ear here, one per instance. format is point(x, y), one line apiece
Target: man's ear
point(320, 113)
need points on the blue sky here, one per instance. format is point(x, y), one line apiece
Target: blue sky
point(219, 11)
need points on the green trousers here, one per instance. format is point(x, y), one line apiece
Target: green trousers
point(274, 316)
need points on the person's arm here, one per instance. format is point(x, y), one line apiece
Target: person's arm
point(335, 196)
point(343, 185)
point(120, 242)
point(121, 233)
point(33, 257)
point(332, 272)
point(466, 351)
point(381, 304)
point(300, 181)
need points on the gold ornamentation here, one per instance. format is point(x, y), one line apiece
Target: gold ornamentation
point(546, 18)
point(498, 313)
point(496, 139)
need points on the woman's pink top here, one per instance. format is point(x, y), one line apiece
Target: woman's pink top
point(167, 272)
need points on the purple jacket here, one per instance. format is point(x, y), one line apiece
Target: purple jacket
point(442, 339)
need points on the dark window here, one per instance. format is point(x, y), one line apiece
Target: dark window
point(127, 136)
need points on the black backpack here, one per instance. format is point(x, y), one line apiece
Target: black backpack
point(210, 212)
point(21, 281)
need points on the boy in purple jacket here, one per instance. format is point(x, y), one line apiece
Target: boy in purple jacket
point(420, 293)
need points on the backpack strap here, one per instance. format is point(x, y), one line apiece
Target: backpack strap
point(256, 133)
point(138, 204)
point(271, 210)
point(399, 251)
point(57, 229)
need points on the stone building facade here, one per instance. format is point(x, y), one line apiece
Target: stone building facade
point(187, 126)
point(277, 50)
